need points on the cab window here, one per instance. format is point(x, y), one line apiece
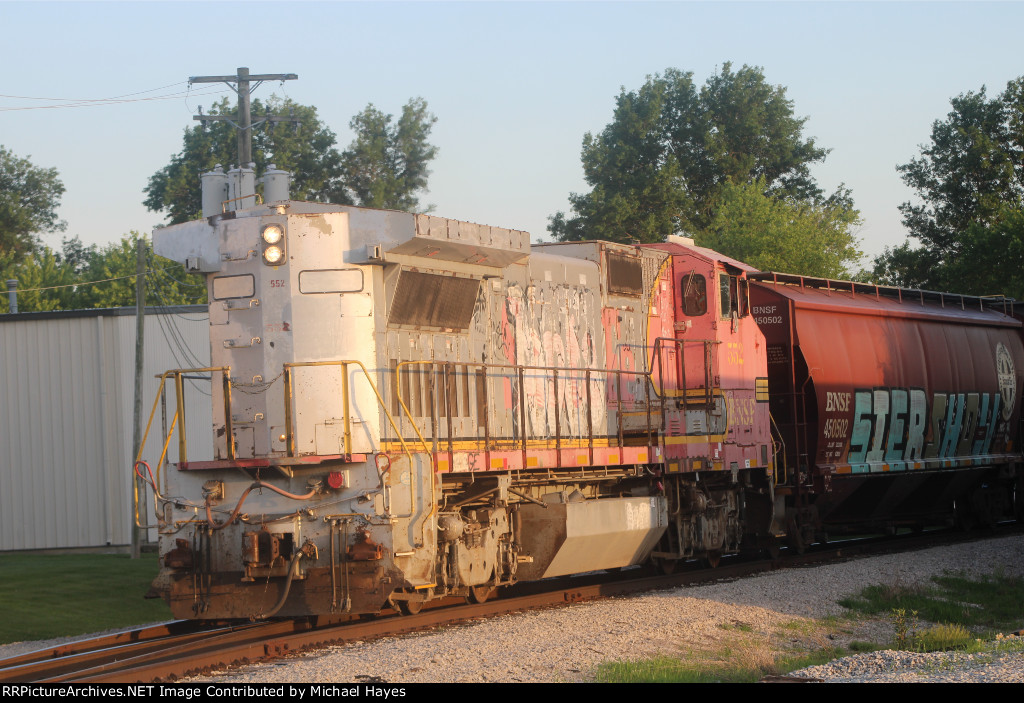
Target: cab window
point(695, 294)
point(732, 295)
point(726, 294)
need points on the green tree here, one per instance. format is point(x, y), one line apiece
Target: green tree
point(639, 188)
point(384, 167)
point(992, 256)
point(784, 234)
point(29, 198)
point(970, 182)
point(75, 254)
point(661, 165)
point(308, 151)
point(987, 260)
point(386, 164)
point(115, 265)
point(44, 281)
point(82, 277)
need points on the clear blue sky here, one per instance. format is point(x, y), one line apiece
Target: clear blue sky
point(514, 86)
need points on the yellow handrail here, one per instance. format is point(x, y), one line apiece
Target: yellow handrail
point(501, 367)
point(180, 411)
point(344, 364)
point(348, 432)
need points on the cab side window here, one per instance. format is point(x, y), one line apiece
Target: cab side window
point(732, 295)
point(727, 294)
point(695, 295)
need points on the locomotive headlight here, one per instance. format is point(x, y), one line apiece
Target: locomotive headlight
point(273, 254)
point(272, 234)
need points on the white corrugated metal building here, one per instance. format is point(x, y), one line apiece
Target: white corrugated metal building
point(66, 403)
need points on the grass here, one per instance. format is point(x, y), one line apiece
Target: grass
point(860, 647)
point(60, 595)
point(672, 670)
point(730, 664)
point(992, 603)
point(740, 653)
point(942, 637)
point(967, 615)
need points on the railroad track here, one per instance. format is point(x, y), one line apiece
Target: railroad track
point(159, 652)
point(179, 649)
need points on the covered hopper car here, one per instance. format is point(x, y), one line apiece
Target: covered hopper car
point(407, 407)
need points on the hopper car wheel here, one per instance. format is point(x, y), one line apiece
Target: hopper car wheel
point(410, 607)
point(989, 519)
point(712, 559)
point(964, 515)
point(479, 594)
point(773, 549)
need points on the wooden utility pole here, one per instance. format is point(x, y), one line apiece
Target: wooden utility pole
point(240, 83)
point(139, 533)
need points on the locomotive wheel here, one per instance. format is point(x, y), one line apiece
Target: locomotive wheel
point(667, 566)
point(479, 594)
point(796, 541)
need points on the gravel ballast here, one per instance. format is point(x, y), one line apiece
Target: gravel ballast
point(753, 617)
point(744, 621)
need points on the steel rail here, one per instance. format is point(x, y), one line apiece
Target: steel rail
point(122, 651)
point(80, 647)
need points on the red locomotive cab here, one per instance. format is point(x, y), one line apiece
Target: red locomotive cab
point(708, 358)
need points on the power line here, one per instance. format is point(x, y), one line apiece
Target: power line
point(173, 336)
point(73, 285)
point(106, 280)
point(242, 120)
point(163, 270)
point(163, 293)
point(95, 102)
point(113, 97)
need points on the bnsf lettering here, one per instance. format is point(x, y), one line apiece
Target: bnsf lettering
point(767, 315)
point(741, 410)
point(837, 402)
point(891, 424)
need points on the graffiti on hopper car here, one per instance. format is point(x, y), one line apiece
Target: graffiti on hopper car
point(899, 424)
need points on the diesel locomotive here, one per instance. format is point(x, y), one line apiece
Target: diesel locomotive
point(408, 407)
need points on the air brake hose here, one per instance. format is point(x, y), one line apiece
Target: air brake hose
point(238, 507)
point(287, 587)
